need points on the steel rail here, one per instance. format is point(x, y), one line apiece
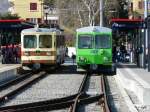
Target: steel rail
point(104, 102)
point(74, 106)
point(75, 101)
point(50, 105)
point(14, 81)
point(13, 92)
point(28, 105)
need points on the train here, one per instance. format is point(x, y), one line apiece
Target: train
point(42, 47)
point(94, 49)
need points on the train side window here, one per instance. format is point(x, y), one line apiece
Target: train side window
point(30, 41)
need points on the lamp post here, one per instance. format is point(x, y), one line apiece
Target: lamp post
point(145, 33)
point(46, 14)
point(148, 26)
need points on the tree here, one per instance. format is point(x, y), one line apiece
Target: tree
point(123, 9)
point(79, 13)
point(9, 16)
point(50, 3)
point(88, 9)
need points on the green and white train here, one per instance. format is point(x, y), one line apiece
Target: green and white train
point(94, 49)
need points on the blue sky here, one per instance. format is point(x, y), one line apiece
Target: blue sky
point(4, 6)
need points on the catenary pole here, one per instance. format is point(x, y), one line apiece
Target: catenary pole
point(148, 58)
point(145, 32)
point(101, 12)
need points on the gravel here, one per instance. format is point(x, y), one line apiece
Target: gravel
point(93, 88)
point(53, 86)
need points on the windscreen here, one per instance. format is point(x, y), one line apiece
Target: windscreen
point(30, 41)
point(85, 41)
point(102, 41)
point(45, 41)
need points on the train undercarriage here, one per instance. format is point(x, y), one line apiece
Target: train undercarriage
point(97, 68)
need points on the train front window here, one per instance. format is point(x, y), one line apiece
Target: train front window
point(85, 42)
point(102, 41)
point(30, 41)
point(45, 41)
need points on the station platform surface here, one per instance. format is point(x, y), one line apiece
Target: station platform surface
point(4, 67)
point(136, 80)
point(8, 71)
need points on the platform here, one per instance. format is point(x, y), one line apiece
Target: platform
point(8, 71)
point(136, 80)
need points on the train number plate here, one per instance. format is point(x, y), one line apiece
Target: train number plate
point(94, 51)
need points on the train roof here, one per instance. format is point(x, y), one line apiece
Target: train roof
point(94, 29)
point(44, 30)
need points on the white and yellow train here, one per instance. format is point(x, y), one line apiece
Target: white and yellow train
point(42, 46)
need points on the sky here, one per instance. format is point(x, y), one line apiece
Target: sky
point(4, 6)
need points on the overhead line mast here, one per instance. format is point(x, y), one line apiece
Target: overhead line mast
point(101, 12)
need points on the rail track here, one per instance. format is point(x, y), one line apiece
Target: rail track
point(73, 102)
point(13, 87)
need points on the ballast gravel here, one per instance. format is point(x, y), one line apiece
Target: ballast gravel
point(51, 87)
point(93, 88)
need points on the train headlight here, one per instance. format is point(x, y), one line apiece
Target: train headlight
point(106, 59)
point(82, 59)
point(26, 53)
point(48, 53)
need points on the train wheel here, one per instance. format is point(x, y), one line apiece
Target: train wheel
point(36, 66)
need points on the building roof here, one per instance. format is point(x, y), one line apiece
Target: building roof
point(119, 23)
point(12, 20)
point(94, 29)
point(15, 24)
point(126, 20)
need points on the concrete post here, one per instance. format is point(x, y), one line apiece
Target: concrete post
point(101, 12)
point(148, 26)
point(145, 33)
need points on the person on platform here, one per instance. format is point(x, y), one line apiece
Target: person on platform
point(73, 58)
point(3, 54)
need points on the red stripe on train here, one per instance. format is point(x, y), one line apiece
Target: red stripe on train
point(39, 61)
point(38, 53)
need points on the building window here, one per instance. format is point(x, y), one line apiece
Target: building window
point(32, 20)
point(140, 5)
point(33, 6)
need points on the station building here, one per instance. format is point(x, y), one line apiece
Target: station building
point(34, 11)
point(30, 10)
